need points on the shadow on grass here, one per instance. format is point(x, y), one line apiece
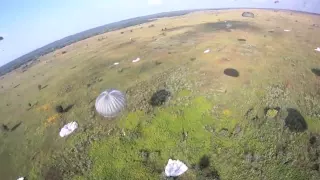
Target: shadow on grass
point(225, 26)
point(176, 28)
point(5, 127)
point(316, 71)
point(295, 121)
point(60, 109)
point(15, 126)
point(44, 86)
point(206, 171)
point(53, 173)
point(204, 162)
point(159, 97)
point(231, 72)
point(68, 108)
point(243, 40)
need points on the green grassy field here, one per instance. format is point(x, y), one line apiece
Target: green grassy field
point(263, 124)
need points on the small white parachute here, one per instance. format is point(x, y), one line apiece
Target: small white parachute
point(175, 168)
point(68, 129)
point(206, 51)
point(136, 60)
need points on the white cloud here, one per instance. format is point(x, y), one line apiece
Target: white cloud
point(154, 2)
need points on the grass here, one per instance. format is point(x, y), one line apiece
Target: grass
point(209, 115)
point(161, 135)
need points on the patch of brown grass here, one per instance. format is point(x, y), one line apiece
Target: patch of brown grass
point(44, 107)
point(51, 120)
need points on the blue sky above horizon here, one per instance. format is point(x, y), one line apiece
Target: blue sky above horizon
point(29, 24)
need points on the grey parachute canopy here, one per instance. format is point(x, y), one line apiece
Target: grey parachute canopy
point(110, 103)
point(1, 38)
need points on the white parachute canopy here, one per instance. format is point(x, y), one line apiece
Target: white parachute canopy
point(136, 60)
point(206, 51)
point(68, 129)
point(175, 168)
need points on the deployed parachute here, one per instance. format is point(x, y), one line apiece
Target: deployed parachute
point(110, 102)
point(1, 38)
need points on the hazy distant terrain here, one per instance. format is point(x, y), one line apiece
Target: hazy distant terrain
point(86, 34)
point(82, 35)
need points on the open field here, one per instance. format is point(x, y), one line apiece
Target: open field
point(260, 120)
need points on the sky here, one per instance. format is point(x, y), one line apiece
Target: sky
point(27, 25)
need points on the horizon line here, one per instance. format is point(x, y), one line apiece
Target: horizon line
point(200, 9)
